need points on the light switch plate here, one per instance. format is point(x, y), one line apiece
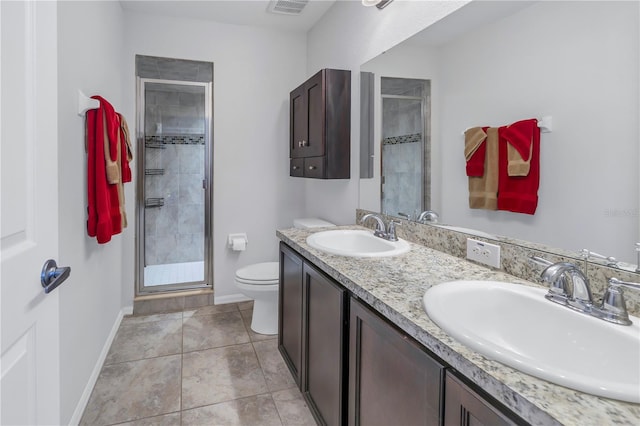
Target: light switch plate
point(485, 253)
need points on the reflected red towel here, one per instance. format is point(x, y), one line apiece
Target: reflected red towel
point(475, 149)
point(519, 193)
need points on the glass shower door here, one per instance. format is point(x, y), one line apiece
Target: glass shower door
point(173, 247)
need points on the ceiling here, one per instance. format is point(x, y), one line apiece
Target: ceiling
point(238, 12)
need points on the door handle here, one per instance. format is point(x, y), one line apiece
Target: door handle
point(52, 276)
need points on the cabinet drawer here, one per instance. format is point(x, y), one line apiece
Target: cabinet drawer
point(314, 167)
point(296, 167)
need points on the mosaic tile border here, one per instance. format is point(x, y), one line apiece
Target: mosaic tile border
point(175, 139)
point(395, 140)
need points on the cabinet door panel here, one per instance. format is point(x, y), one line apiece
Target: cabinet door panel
point(391, 380)
point(464, 407)
point(297, 122)
point(316, 118)
point(324, 350)
point(290, 311)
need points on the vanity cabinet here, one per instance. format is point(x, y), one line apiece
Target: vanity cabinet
point(312, 336)
point(392, 380)
point(465, 407)
point(320, 126)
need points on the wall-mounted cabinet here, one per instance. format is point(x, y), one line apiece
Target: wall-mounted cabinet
point(320, 126)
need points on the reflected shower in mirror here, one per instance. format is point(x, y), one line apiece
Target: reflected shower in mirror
point(405, 146)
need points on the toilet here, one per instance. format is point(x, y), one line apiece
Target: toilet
point(259, 282)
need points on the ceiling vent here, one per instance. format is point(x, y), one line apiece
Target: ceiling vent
point(287, 7)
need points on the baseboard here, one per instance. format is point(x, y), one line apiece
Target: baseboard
point(84, 399)
point(230, 298)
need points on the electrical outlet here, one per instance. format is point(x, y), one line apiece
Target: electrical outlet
point(485, 253)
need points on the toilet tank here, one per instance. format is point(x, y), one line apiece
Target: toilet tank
point(311, 222)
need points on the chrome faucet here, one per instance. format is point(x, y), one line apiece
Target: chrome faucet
point(586, 254)
point(427, 216)
point(385, 232)
point(381, 229)
point(569, 287)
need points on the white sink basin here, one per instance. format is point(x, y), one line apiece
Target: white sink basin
point(517, 326)
point(356, 243)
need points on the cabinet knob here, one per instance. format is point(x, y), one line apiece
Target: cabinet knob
point(305, 143)
point(295, 167)
point(312, 167)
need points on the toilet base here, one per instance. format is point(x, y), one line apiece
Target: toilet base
point(265, 316)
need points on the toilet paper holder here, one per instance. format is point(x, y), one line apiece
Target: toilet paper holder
point(237, 242)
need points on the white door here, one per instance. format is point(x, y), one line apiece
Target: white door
point(30, 384)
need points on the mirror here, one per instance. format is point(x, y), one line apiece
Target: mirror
point(494, 63)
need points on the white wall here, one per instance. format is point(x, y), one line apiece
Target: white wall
point(89, 58)
point(576, 61)
point(346, 37)
point(254, 71)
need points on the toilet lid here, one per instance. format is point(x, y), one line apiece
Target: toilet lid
point(259, 272)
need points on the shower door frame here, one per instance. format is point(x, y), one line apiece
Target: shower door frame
point(207, 184)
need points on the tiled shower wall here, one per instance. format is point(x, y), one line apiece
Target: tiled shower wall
point(174, 155)
point(402, 156)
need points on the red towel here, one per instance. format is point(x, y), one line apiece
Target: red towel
point(519, 193)
point(103, 220)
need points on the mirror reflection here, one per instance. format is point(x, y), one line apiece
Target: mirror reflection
point(495, 63)
point(405, 146)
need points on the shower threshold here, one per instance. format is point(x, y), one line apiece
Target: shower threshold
point(173, 273)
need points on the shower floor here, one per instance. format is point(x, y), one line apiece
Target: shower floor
point(173, 273)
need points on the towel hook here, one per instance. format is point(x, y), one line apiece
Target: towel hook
point(85, 103)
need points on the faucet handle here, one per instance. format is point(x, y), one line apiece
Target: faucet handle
point(614, 307)
point(586, 254)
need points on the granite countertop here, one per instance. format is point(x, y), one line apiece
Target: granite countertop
point(394, 287)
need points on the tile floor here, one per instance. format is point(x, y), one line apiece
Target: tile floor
point(202, 366)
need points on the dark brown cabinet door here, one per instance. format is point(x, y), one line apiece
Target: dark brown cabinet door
point(392, 380)
point(298, 112)
point(465, 407)
point(324, 346)
point(314, 144)
point(320, 124)
point(290, 311)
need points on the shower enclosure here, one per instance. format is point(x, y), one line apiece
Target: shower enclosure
point(174, 181)
point(405, 146)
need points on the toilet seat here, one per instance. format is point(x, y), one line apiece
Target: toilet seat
point(266, 273)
